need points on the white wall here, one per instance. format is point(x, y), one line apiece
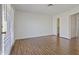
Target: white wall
point(65, 28)
point(32, 25)
point(63, 25)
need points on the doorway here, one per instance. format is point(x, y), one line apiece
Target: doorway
point(58, 27)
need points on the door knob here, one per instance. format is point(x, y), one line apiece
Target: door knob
point(3, 32)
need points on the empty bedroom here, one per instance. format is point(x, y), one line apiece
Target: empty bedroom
point(42, 29)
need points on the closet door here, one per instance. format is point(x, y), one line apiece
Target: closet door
point(77, 31)
point(73, 26)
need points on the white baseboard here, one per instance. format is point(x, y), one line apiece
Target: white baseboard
point(32, 37)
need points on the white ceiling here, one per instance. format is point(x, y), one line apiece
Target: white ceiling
point(44, 9)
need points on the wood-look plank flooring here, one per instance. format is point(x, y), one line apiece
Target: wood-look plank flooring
point(46, 45)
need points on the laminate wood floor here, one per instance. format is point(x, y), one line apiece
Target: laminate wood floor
point(46, 45)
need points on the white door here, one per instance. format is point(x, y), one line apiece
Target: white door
point(8, 20)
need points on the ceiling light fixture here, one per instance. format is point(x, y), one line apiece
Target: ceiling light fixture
point(49, 5)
